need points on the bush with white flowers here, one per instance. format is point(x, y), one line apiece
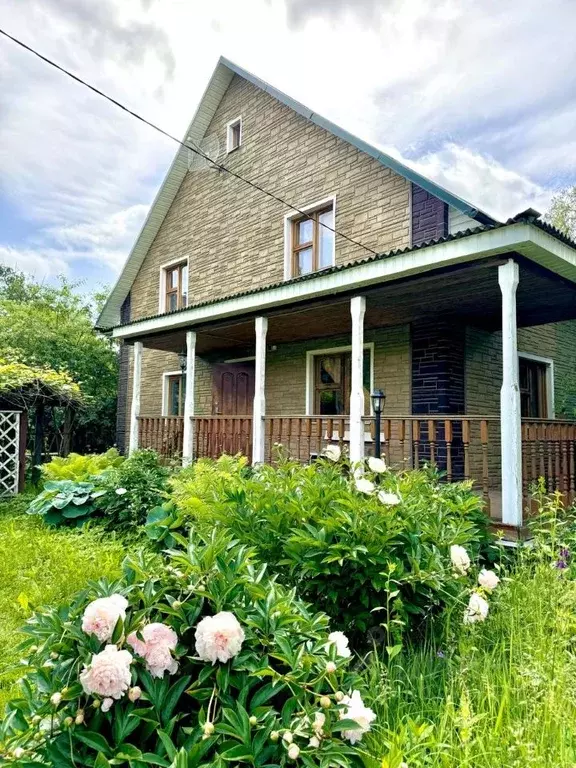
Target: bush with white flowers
point(200, 659)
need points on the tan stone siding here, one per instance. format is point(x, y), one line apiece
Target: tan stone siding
point(233, 235)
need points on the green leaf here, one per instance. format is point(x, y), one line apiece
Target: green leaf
point(101, 761)
point(128, 752)
point(168, 744)
point(239, 752)
point(94, 740)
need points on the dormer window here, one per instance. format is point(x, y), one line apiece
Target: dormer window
point(174, 287)
point(234, 134)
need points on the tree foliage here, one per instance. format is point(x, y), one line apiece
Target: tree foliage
point(562, 213)
point(51, 326)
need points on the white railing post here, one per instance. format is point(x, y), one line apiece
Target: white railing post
point(259, 411)
point(188, 435)
point(510, 420)
point(357, 310)
point(135, 406)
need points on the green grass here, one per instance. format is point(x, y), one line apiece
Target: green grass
point(41, 566)
point(499, 694)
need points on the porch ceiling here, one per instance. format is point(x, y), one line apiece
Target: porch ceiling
point(469, 294)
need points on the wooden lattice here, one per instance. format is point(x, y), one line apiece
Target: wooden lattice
point(9, 452)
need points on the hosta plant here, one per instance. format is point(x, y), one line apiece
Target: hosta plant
point(197, 660)
point(66, 502)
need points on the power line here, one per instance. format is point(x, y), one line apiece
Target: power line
point(184, 144)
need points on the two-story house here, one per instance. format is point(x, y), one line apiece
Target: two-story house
point(267, 312)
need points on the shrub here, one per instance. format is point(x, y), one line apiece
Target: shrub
point(224, 667)
point(132, 489)
point(39, 566)
point(66, 502)
point(77, 467)
point(360, 556)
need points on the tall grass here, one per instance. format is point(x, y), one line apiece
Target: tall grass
point(497, 694)
point(41, 566)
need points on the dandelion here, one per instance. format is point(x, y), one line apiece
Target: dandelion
point(477, 609)
point(460, 559)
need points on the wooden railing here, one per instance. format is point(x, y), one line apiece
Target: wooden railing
point(549, 452)
point(215, 435)
point(303, 437)
point(162, 433)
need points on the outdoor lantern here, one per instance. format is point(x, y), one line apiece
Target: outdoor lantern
point(182, 357)
point(378, 399)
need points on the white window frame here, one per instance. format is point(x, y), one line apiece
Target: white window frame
point(312, 353)
point(549, 363)
point(229, 125)
point(162, 281)
point(290, 217)
point(165, 376)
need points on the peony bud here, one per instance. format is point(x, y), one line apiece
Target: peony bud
point(18, 753)
point(68, 721)
point(36, 719)
point(253, 720)
point(54, 655)
point(79, 719)
point(330, 667)
point(274, 736)
point(325, 702)
point(56, 698)
point(96, 703)
point(287, 737)
point(339, 696)
point(208, 728)
point(176, 605)
point(314, 742)
point(134, 693)
point(294, 751)
point(200, 588)
point(107, 704)
point(33, 649)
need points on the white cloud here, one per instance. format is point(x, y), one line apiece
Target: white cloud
point(476, 92)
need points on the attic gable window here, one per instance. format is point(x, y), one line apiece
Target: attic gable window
point(309, 240)
point(234, 134)
point(173, 286)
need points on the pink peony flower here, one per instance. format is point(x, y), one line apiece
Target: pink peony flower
point(219, 638)
point(101, 615)
point(155, 648)
point(108, 674)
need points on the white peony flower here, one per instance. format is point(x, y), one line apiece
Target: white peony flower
point(340, 640)
point(363, 485)
point(219, 637)
point(121, 491)
point(358, 712)
point(56, 698)
point(332, 452)
point(155, 647)
point(101, 615)
point(477, 609)
point(287, 737)
point(293, 751)
point(460, 559)
point(319, 721)
point(488, 580)
point(108, 674)
point(376, 465)
point(390, 499)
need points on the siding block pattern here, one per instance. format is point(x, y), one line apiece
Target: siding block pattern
point(429, 216)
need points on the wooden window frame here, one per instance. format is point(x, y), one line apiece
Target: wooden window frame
point(231, 132)
point(544, 368)
point(167, 291)
point(291, 246)
point(314, 217)
point(167, 379)
point(312, 362)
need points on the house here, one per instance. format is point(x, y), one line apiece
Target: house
point(266, 312)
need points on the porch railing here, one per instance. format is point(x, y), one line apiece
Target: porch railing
point(463, 447)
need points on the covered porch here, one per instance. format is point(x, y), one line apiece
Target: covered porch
point(250, 383)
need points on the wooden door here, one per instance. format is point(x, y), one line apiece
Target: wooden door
point(232, 401)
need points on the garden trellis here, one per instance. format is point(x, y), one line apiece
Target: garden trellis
point(9, 452)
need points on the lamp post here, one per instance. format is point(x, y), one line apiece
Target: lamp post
point(378, 399)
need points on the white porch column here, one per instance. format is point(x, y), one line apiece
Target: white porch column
point(188, 436)
point(258, 436)
point(510, 422)
point(135, 406)
point(357, 310)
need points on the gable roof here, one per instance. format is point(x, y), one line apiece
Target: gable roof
point(215, 90)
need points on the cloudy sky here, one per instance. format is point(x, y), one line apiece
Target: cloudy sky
point(478, 94)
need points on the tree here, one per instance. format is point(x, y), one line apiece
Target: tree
point(562, 213)
point(53, 326)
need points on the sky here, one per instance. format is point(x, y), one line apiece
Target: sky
point(479, 95)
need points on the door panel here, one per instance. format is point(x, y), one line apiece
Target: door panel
point(232, 389)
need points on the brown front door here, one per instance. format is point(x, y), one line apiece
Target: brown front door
point(232, 399)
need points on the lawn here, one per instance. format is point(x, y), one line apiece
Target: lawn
point(41, 566)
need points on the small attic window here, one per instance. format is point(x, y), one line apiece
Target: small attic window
point(234, 134)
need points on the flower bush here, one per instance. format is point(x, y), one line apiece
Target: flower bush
point(197, 660)
point(370, 547)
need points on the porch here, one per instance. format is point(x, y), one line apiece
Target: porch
point(438, 329)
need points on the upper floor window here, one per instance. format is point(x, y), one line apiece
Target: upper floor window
point(234, 134)
point(310, 240)
point(174, 287)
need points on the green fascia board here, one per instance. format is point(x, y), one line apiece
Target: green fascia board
point(363, 146)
